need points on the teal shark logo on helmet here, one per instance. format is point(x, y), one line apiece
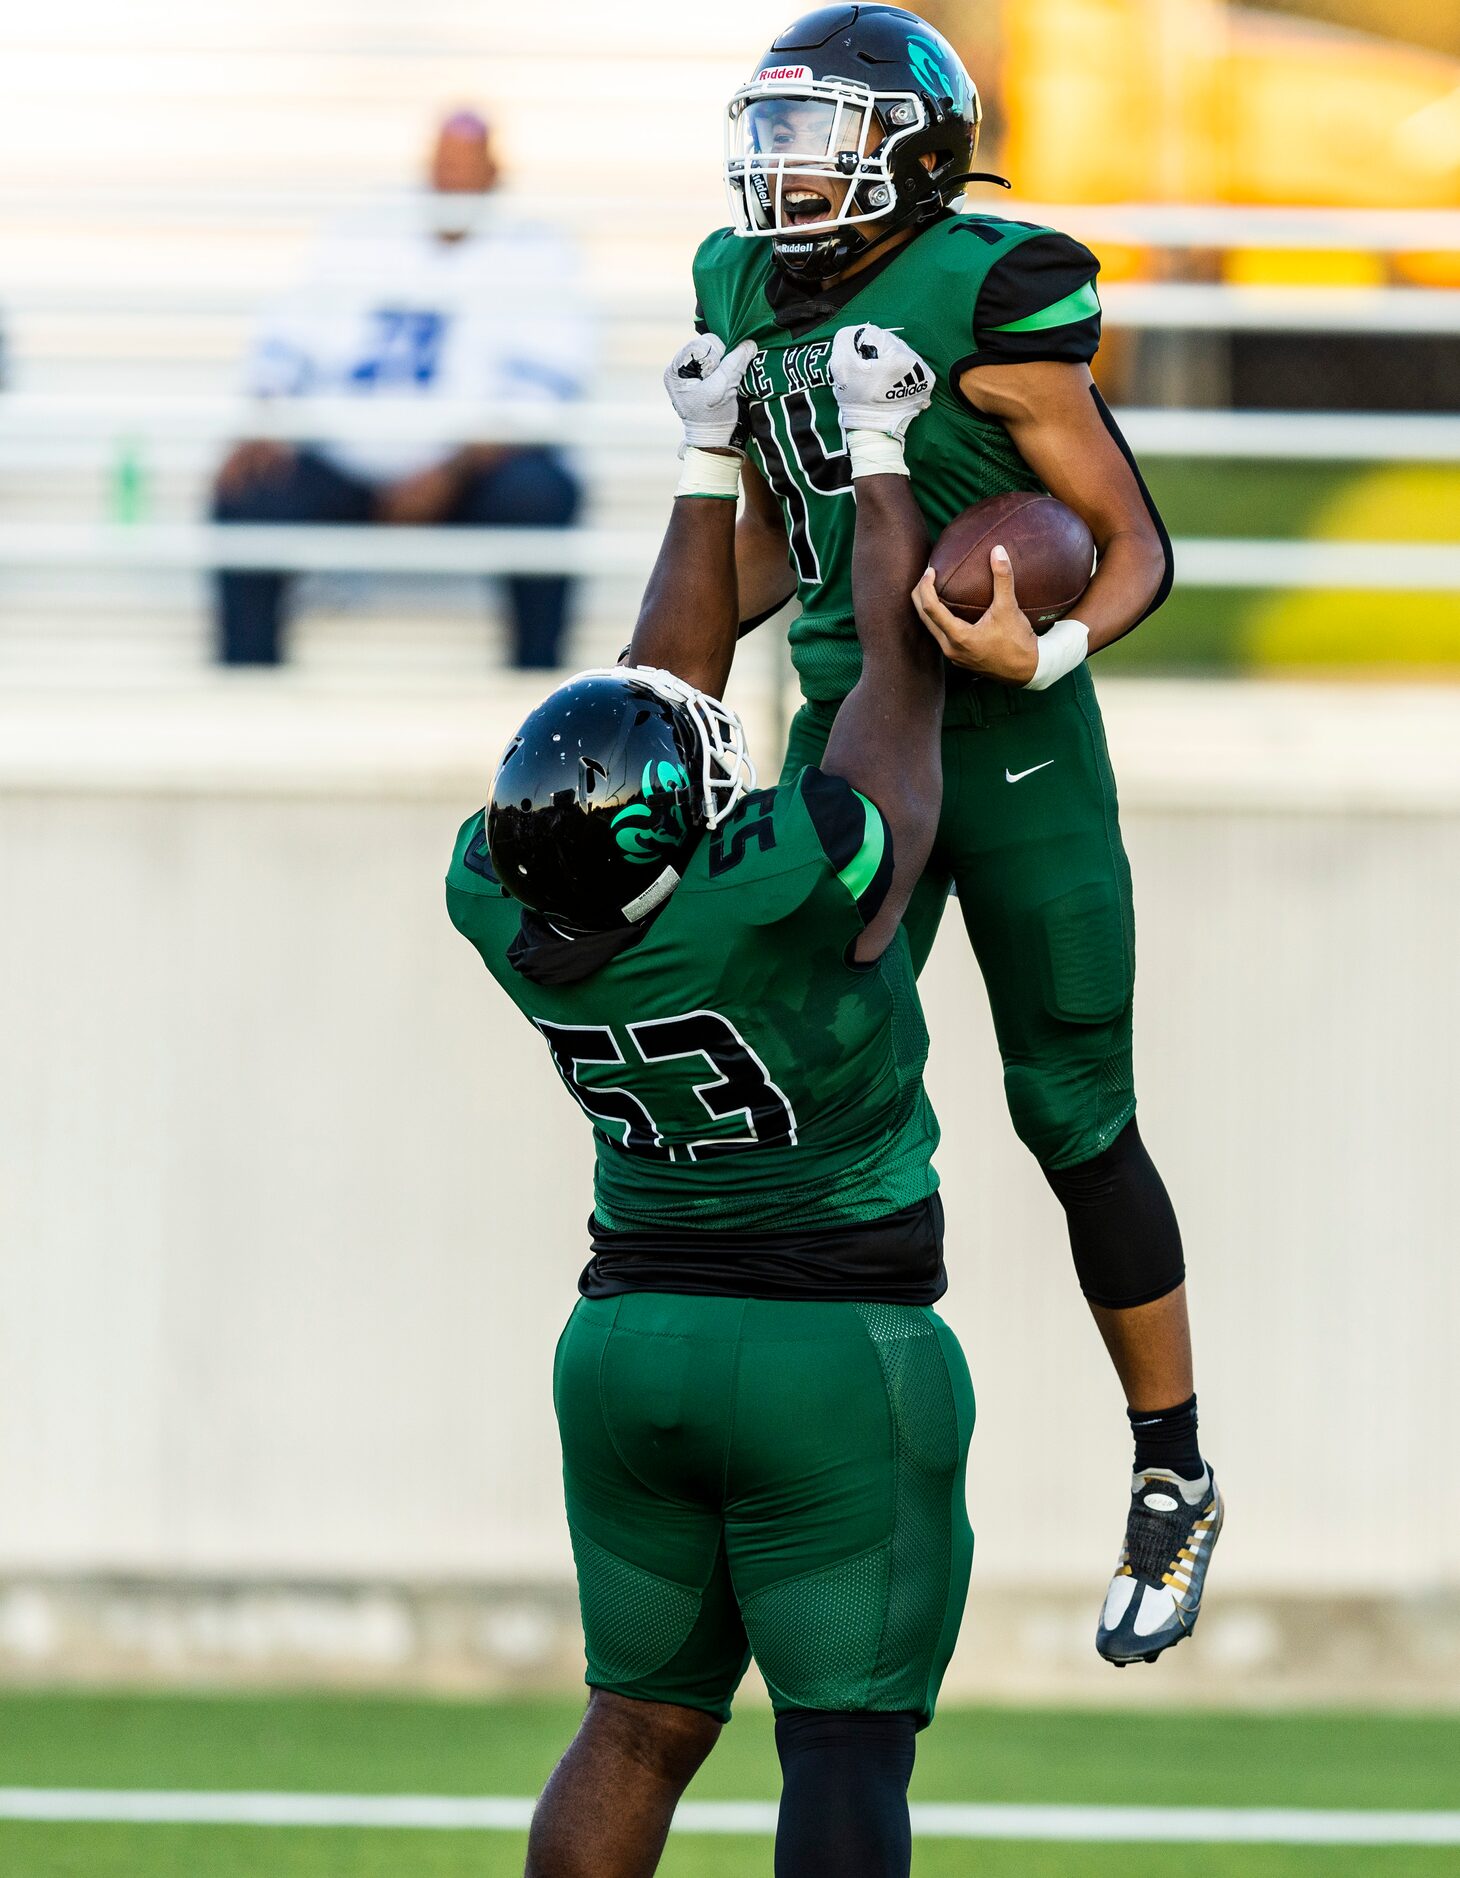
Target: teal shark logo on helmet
point(644, 828)
point(930, 72)
point(663, 777)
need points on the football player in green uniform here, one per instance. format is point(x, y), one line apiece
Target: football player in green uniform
point(846, 152)
point(764, 1422)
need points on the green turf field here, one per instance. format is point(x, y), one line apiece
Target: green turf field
point(381, 1746)
point(1216, 630)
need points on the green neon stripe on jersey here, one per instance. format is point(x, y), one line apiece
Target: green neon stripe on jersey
point(859, 873)
point(1078, 305)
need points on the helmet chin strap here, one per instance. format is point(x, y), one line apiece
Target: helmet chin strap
point(821, 261)
point(852, 245)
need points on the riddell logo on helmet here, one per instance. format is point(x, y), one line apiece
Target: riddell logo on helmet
point(782, 71)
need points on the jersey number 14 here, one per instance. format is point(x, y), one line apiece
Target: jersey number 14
point(800, 466)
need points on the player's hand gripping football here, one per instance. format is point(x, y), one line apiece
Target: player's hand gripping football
point(880, 382)
point(703, 382)
point(1002, 644)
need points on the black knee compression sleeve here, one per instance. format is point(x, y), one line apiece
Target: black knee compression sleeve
point(1123, 1229)
point(844, 1794)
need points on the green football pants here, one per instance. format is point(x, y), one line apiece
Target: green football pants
point(1030, 836)
point(784, 1479)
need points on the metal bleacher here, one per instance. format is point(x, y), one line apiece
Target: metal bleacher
point(166, 176)
point(139, 255)
point(118, 409)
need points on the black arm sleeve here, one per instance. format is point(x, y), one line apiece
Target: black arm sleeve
point(1038, 302)
point(860, 852)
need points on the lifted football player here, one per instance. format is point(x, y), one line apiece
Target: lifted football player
point(846, 152)
point(764, 1423)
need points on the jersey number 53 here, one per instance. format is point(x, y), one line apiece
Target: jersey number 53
point(738, 1089)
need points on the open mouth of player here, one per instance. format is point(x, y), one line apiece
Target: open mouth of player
point(800, 206)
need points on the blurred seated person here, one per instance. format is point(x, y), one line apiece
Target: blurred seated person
point(460, 305)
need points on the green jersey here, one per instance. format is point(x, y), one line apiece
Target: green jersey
point(969, 290)
point(741, 1075)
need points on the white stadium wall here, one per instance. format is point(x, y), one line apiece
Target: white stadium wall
point(292, 1203)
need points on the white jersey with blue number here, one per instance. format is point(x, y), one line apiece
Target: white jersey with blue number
point(396, 312)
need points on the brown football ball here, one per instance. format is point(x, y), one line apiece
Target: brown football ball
point(1050, 549)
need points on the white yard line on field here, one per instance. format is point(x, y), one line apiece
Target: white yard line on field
point(1174, 1825)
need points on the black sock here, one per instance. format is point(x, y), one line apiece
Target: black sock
point(1167, 1438)
point(844, 1794)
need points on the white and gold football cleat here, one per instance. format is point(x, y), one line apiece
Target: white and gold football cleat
point(1155, 1596)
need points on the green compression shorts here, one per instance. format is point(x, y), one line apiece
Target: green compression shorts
point(1030, 835)
point(752, 1476)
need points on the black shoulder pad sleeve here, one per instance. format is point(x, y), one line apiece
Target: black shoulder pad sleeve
point(1038, 302)
point(854, 836)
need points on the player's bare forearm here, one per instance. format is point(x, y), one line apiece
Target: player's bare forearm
point(1130, 571)
point(766, 580)
point(762, 553)
point(887, 738)
point(1062, 429)
point(690, 611)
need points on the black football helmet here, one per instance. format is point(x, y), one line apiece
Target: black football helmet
point(810, 109)
point(605, 792)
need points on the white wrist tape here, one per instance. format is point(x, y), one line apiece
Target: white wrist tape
point(875, 453)
point(706, 473)
point(1061, 649)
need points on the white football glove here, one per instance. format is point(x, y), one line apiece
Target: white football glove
point(703, 382)
point(880, 382)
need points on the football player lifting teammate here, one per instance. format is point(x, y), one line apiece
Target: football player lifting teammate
point(764, 1423)
point(846, 152)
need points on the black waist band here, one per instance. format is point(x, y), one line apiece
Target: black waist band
point(897, 1259)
